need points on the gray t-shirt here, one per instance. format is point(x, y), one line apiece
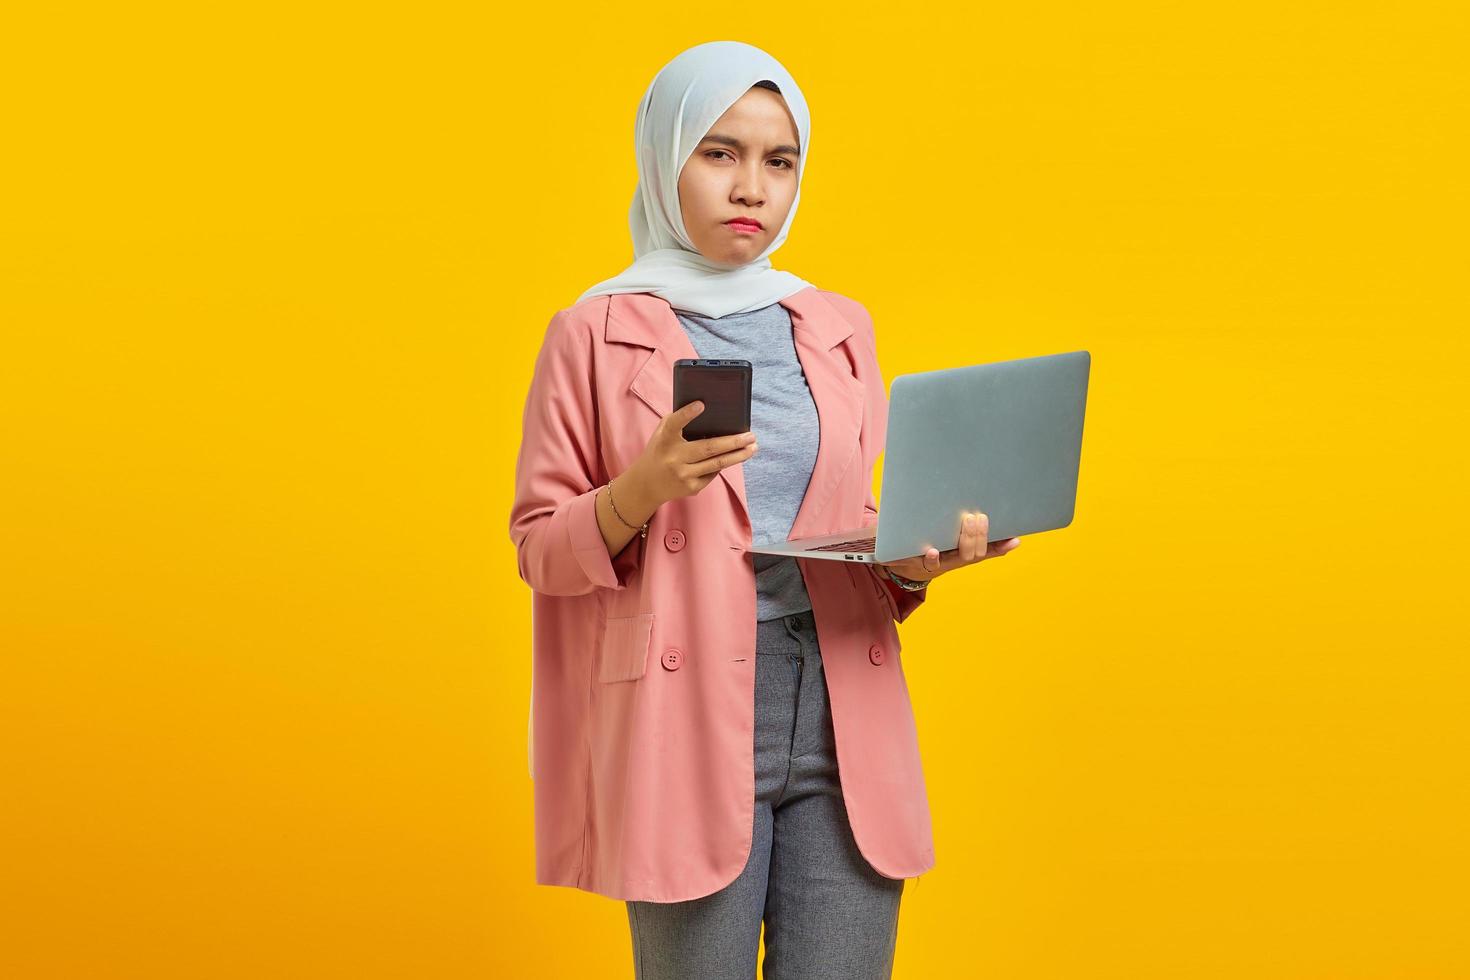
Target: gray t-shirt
point(783, 417)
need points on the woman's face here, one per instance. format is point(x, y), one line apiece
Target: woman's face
point(745, 167)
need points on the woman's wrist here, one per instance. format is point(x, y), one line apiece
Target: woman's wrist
point(632, 502)
point(907, 584)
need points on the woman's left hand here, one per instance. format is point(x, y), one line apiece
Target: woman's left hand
point(971, 550)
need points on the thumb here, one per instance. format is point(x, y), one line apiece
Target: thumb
point(681, 416)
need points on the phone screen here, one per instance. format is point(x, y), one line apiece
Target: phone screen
point(723, 386)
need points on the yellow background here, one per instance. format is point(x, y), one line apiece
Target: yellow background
point(272, 281)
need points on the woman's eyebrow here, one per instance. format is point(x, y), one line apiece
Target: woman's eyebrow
point(732, 141)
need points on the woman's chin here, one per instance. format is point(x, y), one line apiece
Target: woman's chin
point(740, 255)
point(727, 260)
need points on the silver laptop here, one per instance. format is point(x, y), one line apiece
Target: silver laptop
point(1002, 439)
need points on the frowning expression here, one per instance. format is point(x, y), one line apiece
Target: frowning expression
point(744, 168)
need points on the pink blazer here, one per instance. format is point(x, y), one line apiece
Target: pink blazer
point(643, 669)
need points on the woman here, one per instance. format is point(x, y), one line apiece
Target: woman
point(767, 769)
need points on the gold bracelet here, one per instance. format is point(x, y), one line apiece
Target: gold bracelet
point(643, 531)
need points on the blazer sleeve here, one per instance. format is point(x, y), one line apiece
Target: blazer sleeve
point(901, 602)
point(553, 520)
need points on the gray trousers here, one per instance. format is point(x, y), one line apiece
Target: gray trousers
point(827, 913)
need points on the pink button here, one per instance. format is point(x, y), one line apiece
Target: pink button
point(875, 653)
point(672, 659)
point(674, 540)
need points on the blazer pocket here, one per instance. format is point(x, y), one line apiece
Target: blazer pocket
point(625, 641)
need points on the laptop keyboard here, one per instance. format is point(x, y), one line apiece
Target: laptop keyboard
point(857, 544)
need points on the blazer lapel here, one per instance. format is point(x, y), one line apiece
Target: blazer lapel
point(818, 330)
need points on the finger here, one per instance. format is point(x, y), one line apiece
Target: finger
point(715, 445)
point(968, 544)
point(932, 564)
point(982, 536)
point(716, 463)
point(681, 417)
point(1002, 547)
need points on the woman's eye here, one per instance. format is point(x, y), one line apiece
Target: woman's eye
point(785, 164)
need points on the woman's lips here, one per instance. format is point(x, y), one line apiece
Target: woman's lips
point(742, 226)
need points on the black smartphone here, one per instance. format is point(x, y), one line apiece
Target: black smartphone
point(723, 386)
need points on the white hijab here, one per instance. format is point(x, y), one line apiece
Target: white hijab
point(683, 101)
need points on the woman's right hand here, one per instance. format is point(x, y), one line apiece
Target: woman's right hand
point(672, 467)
